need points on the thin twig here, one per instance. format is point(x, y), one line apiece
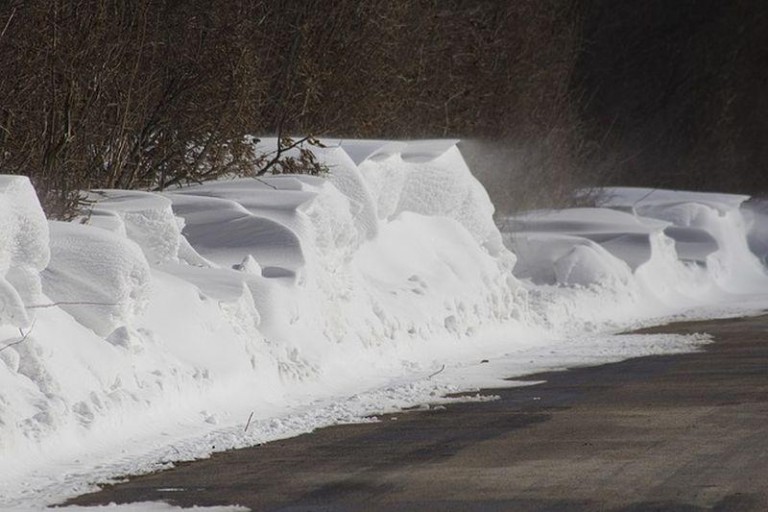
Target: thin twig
point(437, 372)
point(72, 303)
point(293, 144)
point(8, 23)
point(646, 196)
point(54, 304)
point(23, 337)
point(264, 182)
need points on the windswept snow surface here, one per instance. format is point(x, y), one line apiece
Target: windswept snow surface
point(163, 327)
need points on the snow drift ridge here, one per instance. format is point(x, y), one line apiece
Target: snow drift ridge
point(179, 311)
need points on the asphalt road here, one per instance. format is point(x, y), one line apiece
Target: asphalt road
point(669, 433)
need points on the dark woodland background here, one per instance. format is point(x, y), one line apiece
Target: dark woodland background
point(547, 95)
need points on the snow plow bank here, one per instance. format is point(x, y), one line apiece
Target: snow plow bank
point(151, 328)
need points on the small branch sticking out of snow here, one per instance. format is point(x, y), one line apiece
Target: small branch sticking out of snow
point(248, 423)
point(265, 183)
point(646, 196)
point(72, 303)
point(23, 337)
point(442, 368)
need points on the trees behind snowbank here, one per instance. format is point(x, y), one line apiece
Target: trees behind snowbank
point(157, 92)
point(124, 94)
point(548, 95)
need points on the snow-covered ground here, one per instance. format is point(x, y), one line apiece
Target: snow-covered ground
point(162, 327)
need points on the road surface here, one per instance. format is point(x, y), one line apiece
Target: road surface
point(681, 433)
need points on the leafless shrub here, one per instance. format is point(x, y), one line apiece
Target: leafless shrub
point(157, 93)
point(140, 94)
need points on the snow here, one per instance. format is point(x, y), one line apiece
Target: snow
point(437, 183)
point(163, 326)
point(151, 507)
point(98, 277)
point(24, 250)
point(144, 218)
point(756, 217)
point(714, 221)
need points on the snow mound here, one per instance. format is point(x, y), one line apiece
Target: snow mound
point(347, 178)
point(627, 237)
point(433, 183)
point(96, 276)
point(657, 246)
point(408, 271)
point(756, 216)
point(225, 231)
point(24, 250)
point(146, 218)
point(234, 312)
point(707, 228)
point(565, 260)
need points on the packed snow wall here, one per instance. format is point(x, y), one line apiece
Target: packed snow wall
point(150, 299)
point(161, 309)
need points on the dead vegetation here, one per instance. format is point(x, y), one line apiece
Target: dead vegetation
point(158, 93)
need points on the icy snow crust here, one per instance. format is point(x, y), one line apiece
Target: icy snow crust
point(162, 327)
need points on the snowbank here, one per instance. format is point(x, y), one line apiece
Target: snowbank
point(145, 218)
point(240, 311)
point(707, 228)
point(431, 178)
point(756, 216)
point(98, 277)
point(629, 238)
point(24, 250)
point(678, 245)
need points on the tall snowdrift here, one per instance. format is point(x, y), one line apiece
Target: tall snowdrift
point(707, 228)
point(179, 313)
point(756, 216)
point(431, 178)
point(24, 250)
